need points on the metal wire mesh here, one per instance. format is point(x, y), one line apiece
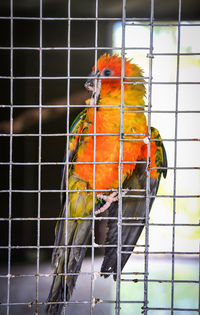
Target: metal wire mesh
point(141, 277)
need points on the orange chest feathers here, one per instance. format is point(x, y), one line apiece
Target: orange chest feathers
point(107, 147)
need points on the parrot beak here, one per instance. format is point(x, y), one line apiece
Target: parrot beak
point(90, 83)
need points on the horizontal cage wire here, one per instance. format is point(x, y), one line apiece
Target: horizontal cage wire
point(91, 81)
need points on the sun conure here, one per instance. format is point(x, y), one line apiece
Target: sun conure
point(104, 121)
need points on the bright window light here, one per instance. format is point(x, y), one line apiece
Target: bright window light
point(164, 99)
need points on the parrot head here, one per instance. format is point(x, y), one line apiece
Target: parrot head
point(107, 69)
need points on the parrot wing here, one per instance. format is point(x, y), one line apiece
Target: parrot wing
point(78, 232)
point(132, 207)
point(73, 146)
point(76, 128)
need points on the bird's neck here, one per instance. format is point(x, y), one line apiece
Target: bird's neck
point(132, 97)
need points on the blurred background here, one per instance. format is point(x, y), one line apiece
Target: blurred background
point(26, 39)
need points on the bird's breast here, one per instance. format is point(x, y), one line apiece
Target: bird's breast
point(107, 144)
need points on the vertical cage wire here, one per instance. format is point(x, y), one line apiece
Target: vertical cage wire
point(10, 156)
point(120, 165)
point(175, 153)
point(92, 297)
point(37, 277)
point(67, 145)
point(146, 267)
point(39, 162)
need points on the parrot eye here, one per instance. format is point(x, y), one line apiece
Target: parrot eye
point(107, 72)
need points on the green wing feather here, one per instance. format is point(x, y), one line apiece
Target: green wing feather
point(161, 156)
point(75, 128)
point(77, 123)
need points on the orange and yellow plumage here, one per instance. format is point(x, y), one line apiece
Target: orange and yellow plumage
point(81, 146)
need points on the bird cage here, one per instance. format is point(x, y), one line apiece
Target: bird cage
point(48, 49)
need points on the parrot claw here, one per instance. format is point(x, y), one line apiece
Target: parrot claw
point(108, 199)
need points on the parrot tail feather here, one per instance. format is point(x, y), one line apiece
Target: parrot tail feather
point(56, 295)
point(74, 261)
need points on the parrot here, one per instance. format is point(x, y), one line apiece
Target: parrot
point(72, 235)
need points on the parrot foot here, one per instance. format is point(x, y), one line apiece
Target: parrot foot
point(108, 199)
